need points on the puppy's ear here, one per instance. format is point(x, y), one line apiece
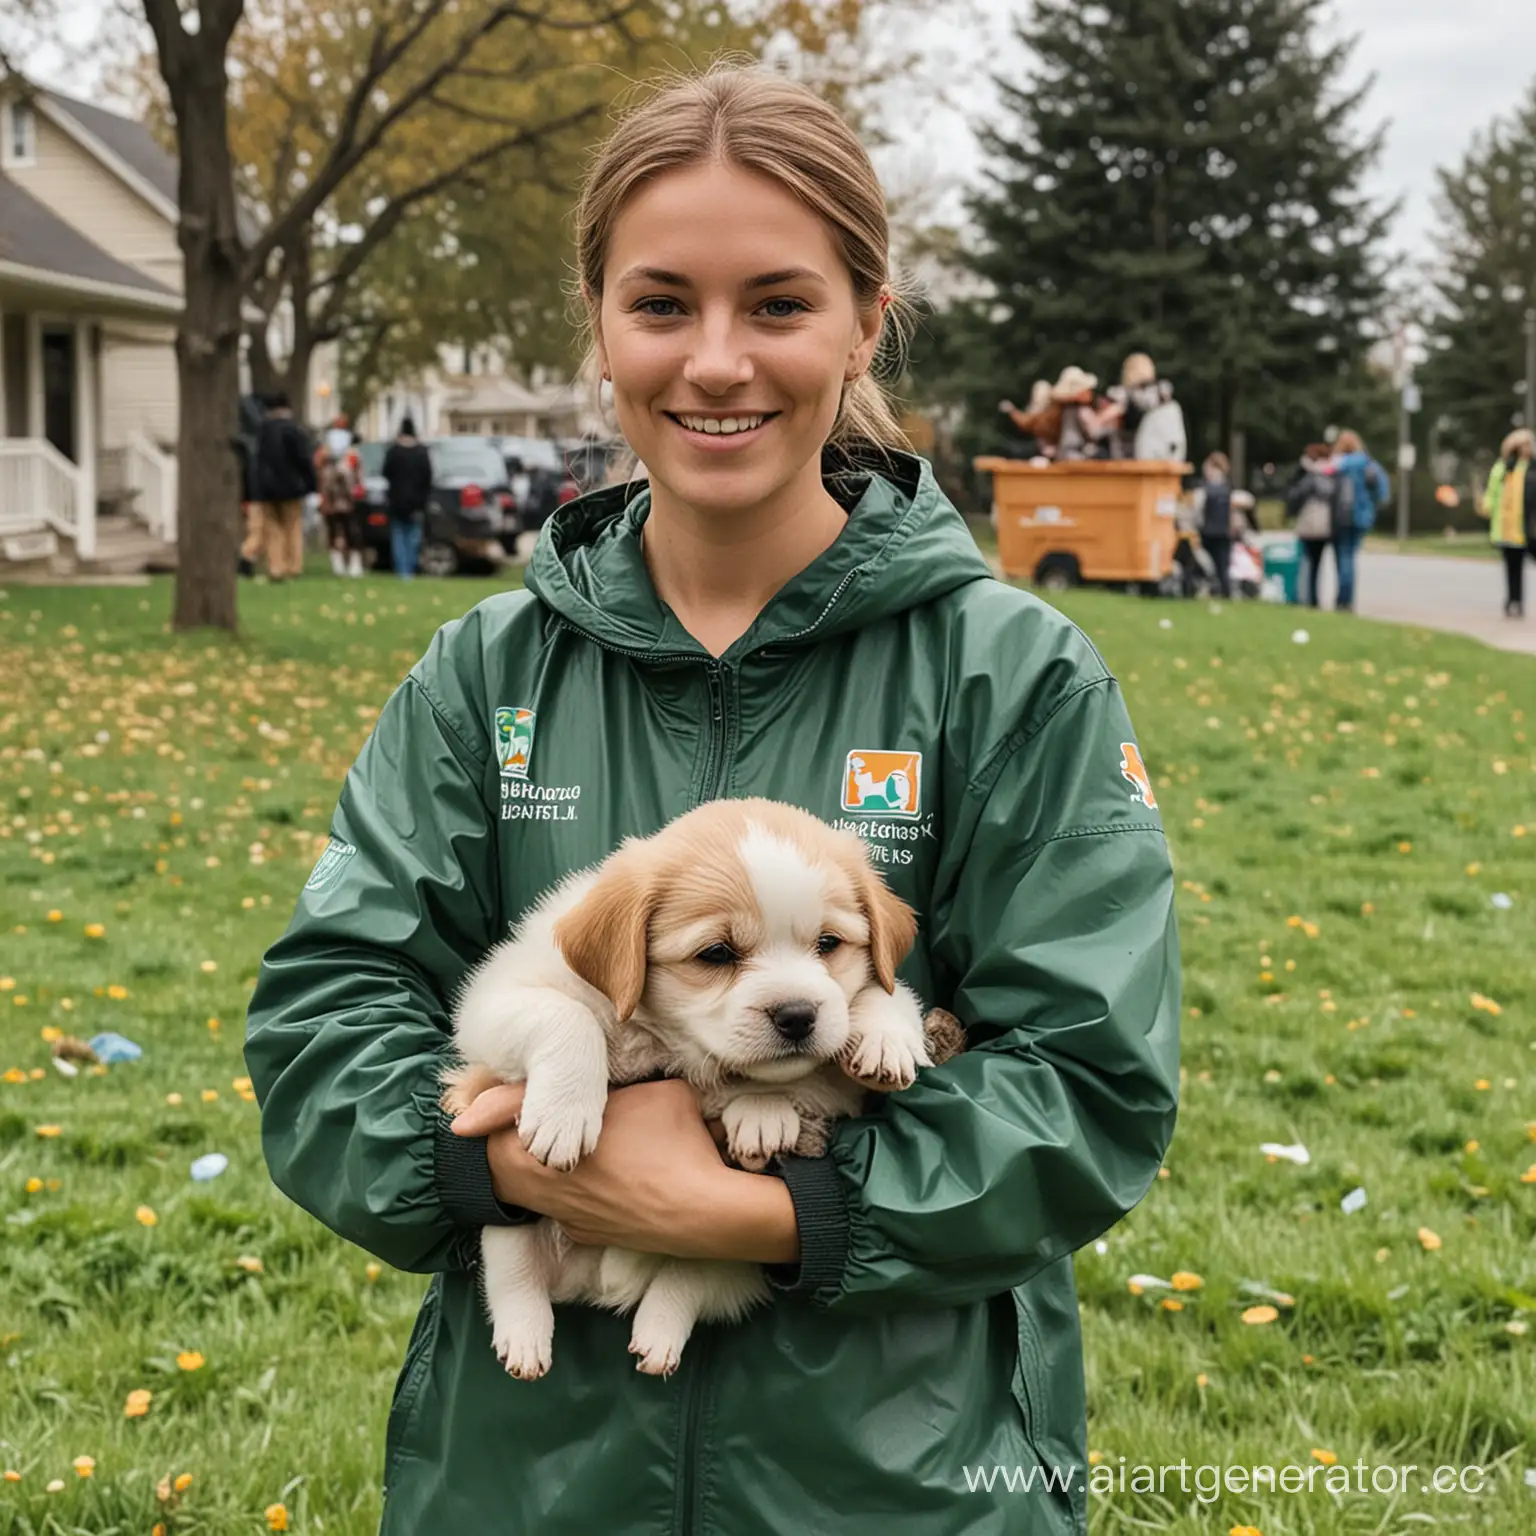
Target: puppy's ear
point(603, 938)
point(892, 926)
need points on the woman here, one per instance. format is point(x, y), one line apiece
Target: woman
point(1214, 510)
point(1509, 504)
point(1312, 500)
point(1363, 487)
point(789, 591)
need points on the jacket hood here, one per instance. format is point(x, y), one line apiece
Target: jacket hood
point(904, 545)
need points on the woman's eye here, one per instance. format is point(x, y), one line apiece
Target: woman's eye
point(718, 954)
point(797, 307)
point(644, 308)
point(827, 943)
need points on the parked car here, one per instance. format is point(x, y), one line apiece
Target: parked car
point(471, 518)
point(547, 475)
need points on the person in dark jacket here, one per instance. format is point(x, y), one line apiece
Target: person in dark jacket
point(790, 608)
point(1213, 505)
point(408, 469)
point(284, 476)
point(1312, 501)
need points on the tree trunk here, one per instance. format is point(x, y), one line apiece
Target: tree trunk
point(258, 355)
point(207, 352)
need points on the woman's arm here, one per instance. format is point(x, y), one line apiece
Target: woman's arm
point(654, 1183)
point(349, 1022)
point(1055, 922)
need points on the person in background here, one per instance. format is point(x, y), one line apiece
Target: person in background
point(340, 475)
point(1213, 507)
point(1509, 504)
point(284, 476)
point(1363, 487)
point(408, 469)
point(1312, 499)
point(252, 409)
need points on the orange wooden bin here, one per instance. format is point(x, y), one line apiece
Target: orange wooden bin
point(1092, 521)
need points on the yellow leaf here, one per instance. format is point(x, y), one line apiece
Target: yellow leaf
point(1256, 1316)
point(1186, 1280)
point(145, 1216)
point(84, 1465)
point(1326, 1457)
point(1430, 1240)
point(277, 1517)
point(190, 1360)
point(49, 1130)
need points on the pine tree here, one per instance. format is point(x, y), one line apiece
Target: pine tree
point(1484, 284)
point(1180, 177)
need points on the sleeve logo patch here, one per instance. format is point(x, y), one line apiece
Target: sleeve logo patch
point(883, 783)
point(1134, 771)
point(329, 865)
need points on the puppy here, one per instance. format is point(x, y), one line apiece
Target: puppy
point(748, 948)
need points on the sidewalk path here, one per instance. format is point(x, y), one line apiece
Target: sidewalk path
point(1463, 596)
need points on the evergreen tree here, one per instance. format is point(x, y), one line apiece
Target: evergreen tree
point(1484, 283)
point(1180, 177)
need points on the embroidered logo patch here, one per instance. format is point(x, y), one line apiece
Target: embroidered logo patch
point(329, 865)
point(883, 783)
point(514, 741)
point(1135, 774)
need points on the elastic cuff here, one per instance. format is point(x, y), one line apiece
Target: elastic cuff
point(821, 1213)
point(462, 1174)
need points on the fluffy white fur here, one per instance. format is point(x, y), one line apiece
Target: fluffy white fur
point(604, 983)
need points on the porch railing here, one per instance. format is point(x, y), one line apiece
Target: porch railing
point(40, 488)
point(153, 475)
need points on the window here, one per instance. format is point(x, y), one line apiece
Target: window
point(20, 142)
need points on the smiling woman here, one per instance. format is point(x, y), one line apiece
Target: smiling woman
point(788, 611)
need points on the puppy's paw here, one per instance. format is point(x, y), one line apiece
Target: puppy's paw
point(886, 1046)
point(561, 1128)
point(524, 1355)
point(758, 1127)
point(463, 1084)
point(658, 1350)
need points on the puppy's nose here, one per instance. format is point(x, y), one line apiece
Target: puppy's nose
point(794, 1020)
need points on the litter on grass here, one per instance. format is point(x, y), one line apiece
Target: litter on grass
point(111, 1047)
point(1352, 1202)
point(209, 1167)
point(1297, 1154)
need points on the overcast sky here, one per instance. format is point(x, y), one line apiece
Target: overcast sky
point(1443, 69)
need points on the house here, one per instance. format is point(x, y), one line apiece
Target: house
point(90, 295)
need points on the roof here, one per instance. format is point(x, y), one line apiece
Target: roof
point(34, 236)
point(131, 142)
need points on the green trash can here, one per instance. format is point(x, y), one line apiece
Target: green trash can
point(1282, 563)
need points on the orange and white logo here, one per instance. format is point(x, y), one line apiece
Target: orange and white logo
point(883, 783)
point(1136, 775)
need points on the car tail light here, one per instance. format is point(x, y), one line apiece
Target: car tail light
point(377, 519)
point(507, 500)
point(569, 491)
point(471, 496)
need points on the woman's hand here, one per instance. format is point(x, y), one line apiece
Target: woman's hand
point(654, 1183)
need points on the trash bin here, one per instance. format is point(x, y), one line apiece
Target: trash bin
point(1282, 563)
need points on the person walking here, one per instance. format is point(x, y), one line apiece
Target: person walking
point(787, 591)
point(1363, 488)
point(1311, 500)
point(408, 469)
point(284, 476)
point(340, 476)
point(1509, 504)
point(1213, 506)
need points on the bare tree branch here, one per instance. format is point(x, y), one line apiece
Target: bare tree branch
point(348, 149)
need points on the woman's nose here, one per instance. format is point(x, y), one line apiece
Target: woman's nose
point(718, 360)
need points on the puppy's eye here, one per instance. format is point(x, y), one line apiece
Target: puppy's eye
point(827, 943)
point(718, 954)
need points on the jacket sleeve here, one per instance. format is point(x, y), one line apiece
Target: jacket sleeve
point(350, 1017)
point(1057, 930)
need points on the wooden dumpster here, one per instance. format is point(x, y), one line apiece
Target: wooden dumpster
point(1096, 520)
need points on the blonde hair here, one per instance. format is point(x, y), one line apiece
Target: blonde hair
point(1138, 369)
point(1348, 442)
point(761, 122)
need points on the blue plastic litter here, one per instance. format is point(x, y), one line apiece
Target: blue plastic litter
point(209, 1167)
point(110, 1047)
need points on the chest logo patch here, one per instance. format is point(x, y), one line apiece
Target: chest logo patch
point(883, 783)
point(1134, 771)
point(514, 741)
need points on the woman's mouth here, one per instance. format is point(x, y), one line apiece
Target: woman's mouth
point(722, 433)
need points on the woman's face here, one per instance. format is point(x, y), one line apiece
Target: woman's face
point(729, 327)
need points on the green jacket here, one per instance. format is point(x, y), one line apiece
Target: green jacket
point(932, 1323)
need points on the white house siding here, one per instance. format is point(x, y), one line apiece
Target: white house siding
point(138, 387)
point(75, 185)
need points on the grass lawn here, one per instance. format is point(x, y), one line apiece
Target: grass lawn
point(1341, 813)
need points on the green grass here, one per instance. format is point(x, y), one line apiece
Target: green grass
point(1369, 784)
